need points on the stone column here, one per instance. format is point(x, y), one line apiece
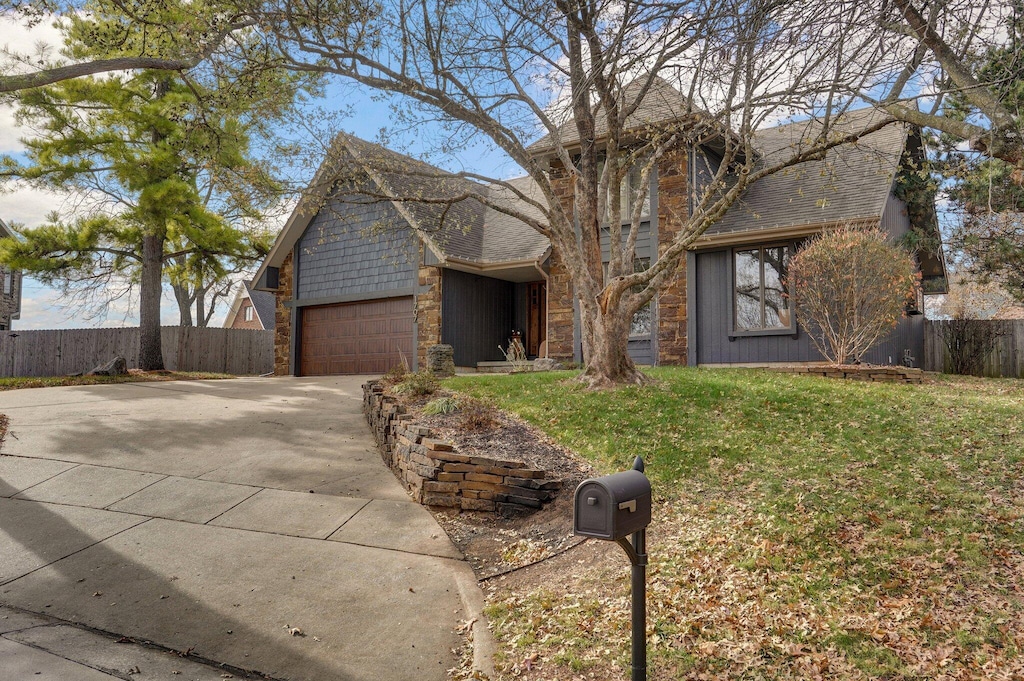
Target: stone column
point(673, 209)
point(428, 309)
point(283, 319)
point(559, 286)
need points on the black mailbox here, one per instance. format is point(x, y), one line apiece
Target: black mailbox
point(613, 506)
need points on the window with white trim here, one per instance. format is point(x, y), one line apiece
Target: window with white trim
point(248, 313)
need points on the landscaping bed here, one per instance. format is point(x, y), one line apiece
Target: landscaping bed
point(804, 528)
point(493, 543)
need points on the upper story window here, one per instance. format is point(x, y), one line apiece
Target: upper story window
point(629, 193)
point(248, 313)
point(8, 283)
point(760, 300)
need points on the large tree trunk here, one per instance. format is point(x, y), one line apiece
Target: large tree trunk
point(609, 364)
point(201, 316)
point(182, 297)
point(151, 356)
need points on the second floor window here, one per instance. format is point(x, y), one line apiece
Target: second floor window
point(248, 313)
point(629, 194)
point(8, 283)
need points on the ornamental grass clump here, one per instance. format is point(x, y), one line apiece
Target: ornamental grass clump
point(850, 288)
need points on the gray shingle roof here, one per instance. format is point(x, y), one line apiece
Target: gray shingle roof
point(265, 305)
point(6, 231)
point(662, 104)
point(852, 182)
point(440, 206)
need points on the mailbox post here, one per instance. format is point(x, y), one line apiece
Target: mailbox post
point(611, 508)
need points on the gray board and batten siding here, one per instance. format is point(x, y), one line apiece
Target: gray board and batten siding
point(479, 314)
point(712, 284)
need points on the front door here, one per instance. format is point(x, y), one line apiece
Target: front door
point(536, 327)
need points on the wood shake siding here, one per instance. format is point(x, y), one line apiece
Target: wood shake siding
point(355, 248)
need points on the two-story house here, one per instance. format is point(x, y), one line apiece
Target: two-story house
point(364, 283)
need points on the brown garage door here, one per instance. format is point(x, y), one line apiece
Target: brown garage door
point(356, 338)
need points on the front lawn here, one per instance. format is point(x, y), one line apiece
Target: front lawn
point(804, 528)
point(133, 376)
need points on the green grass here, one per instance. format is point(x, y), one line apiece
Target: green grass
point(821, 500)
point(18, 383)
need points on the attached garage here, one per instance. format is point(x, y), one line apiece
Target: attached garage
point(368, 337)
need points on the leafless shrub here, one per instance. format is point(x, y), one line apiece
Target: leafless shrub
point(477, 415)
point(969, 342)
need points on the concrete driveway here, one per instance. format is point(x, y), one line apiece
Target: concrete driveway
point(218, 516)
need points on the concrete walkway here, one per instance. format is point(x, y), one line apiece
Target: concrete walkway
point(250, 522)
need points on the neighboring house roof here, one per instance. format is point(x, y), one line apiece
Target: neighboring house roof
point(437, 204)
point(6, 231)
point(853, 181)
point(263, 304)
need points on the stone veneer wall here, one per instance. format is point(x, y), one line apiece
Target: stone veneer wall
point(283, 319)
point(673, 208)
point(428, 309)
point(435, 474)
point(858, 373)
point(559, 286)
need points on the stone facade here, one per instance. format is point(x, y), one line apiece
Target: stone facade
point(434, 474)
point(671, 307)
point(673, 208)
point(559, 286)
point(441, 360)
point(283, 319)
point(428, 309)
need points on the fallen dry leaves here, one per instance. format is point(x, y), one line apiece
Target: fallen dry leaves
point(734, 594)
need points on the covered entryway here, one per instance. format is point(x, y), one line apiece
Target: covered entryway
point(368, 337)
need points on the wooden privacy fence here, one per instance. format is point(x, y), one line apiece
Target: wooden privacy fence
point(1006, 360)
point(60, 352)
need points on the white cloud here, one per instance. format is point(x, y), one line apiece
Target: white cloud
point(29, 207)
point(43, 307)
point(16, 39)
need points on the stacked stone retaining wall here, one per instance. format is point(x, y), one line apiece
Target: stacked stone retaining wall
point(435, 474)
point(859, 373)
